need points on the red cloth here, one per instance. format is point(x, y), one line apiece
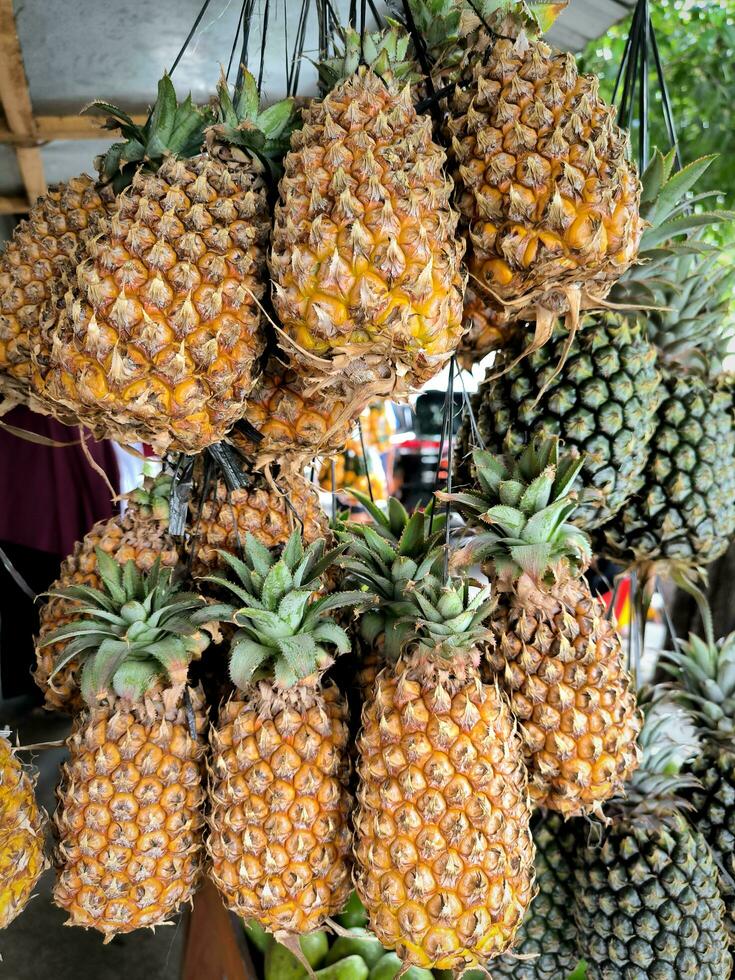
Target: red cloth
point(50, 497)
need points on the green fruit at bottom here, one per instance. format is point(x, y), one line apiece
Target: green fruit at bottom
point(390, 966)
point(360, 943)
point(443, 975)
point(281, 964)
point(257, 935)
point(580, 973)
point(353, 914)
point(351, 968)
point(315, 947)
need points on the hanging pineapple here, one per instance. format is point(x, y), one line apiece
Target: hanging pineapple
point(161, 329)
point(704, 682)
point(129, 816)
point(35, 268)
point(555, 651)
point(268, 507)
point(21, 836)
point(548, 199)
point(279, 838)
point(139, 535)
point(283, 423)
point(443, 851)
point(646, 892)
point(366, 267)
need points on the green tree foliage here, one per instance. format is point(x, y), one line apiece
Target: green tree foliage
point(696, 40)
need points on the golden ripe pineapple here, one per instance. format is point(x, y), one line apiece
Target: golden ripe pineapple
point(36, 266)
point(555, 652)
point(129, 817)
point(292, 423)
point(279, 838)
point(269, 509)
point(139, 535)
point(365, 261)
point(21, 836)
point(443, 849)
point(161, 332)
point(548, 198)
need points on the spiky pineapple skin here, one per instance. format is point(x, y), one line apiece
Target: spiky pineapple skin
point(41, 256)
point(443, 850)
point(161, 332)
point(602, 401)
point(130, 813)
point(548, 936)
point(292, 422)
point(714, 811)
point(21, 836)
point(486, 329)
point(135, 536)
point(685, 511)
point(546, 193)
point(647, 905)
point(270, 513)
point(365, 262)
point(561, 661)
point(279, 839)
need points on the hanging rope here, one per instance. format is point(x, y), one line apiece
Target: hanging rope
point(365, 459)
point(189, 36)
point(450, 464)
point(293, 71)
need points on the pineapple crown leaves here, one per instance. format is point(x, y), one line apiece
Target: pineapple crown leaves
point(385, 52)
point(446, 618)
point(438, 23)
point(509, 18)
point(674, 228)
point(527, 501)
point(133, 633)
point(384, 557)
point(703, 682)
point(153, 498)
point(240, 122)
point(667, 741)
point(172, 128)
point(285, 629)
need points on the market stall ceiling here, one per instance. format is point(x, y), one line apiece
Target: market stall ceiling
point(77, 50)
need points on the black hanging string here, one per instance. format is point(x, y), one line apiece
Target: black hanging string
point(467, 409)
point(450, 464)
point(240, 20)
point(293, 72)
point(264, 35)
point(365, 460)
point(189, 36)
point(363, 21)
point(445, 428)
point(334, 489)
point(634, 75)
point(16, 576)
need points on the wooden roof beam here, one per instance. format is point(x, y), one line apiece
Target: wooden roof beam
point(16, 102)
point(62, 127)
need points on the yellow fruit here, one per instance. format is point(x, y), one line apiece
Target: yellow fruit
point(37, 263)
point(129, 818)
point(160, 334)
point(279, 837)
point(548, 198)
point(139, 535)
point(365, 261)
point(268, 511)
point(21, 836)
point(562, 663)
point(444, 855)
point(292, 422)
